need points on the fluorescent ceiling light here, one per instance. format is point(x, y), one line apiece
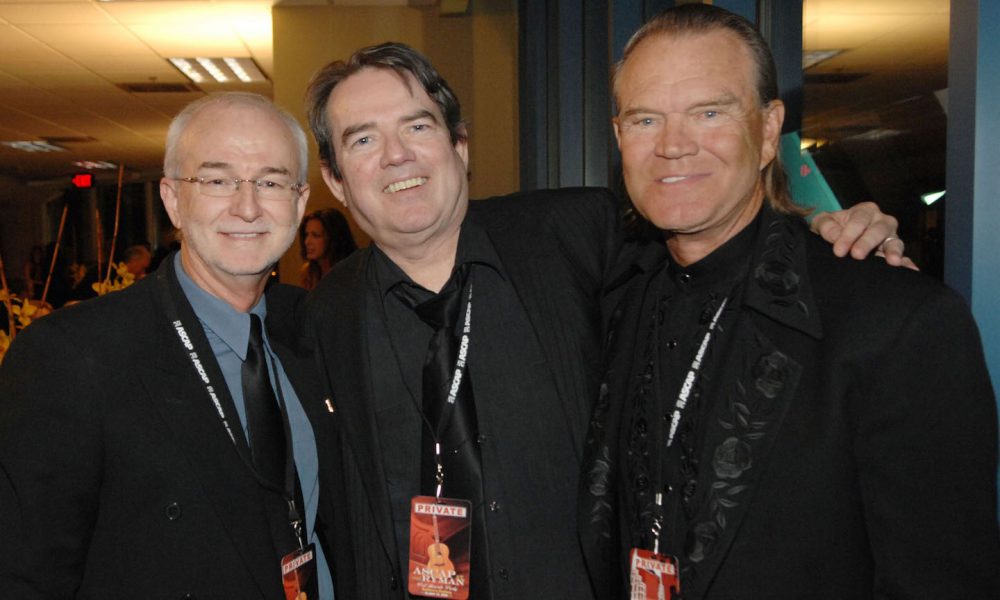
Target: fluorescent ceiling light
point(214, 71)
point(811, 58)
point(185, 66)
point(808, 142)
point(31, 146)
point(932, 197)
point(95, 165)
point(222, 70)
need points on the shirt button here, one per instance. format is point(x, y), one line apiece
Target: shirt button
point(482, 438)
point(672, 344)
point(504, 574)
point(173, 511)
point(494, 506)
point(393, 583)
point(685, 278)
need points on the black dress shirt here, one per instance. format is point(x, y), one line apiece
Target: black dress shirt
point(678, 309)
point(518, 410)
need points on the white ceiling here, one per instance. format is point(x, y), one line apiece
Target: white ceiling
point(62, 61)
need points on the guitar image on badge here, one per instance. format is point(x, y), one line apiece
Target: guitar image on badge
point(438, 561)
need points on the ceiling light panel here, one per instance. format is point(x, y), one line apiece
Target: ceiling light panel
point(33, 146)
point(202, 69)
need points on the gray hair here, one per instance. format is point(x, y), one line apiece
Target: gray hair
point(172, 158)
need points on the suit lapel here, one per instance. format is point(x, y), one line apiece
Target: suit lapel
point(181, 397)
point(343, 352)
point(759, 383)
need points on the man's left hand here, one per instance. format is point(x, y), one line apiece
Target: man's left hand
point(860, 230)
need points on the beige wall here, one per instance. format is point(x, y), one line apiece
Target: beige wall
point(476, 53)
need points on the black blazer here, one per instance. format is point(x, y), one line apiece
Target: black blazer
point(556, 247)
point(860, 448)
point(117, 477)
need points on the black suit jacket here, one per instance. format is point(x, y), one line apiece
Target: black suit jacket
point(117, 477)
point(859, 434)
point(556, 247)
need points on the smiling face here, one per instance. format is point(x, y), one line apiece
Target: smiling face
point(694, 137)
point(231, 243)
point(403, 179)
point(315, 239)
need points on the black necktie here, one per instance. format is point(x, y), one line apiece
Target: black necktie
point(457, 431)
point(267, 429)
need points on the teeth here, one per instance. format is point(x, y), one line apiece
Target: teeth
point(244, 235)
point(404, 185)
point(672, 179)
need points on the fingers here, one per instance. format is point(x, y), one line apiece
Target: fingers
point(892, 250)
point(867, 228)
point(826, 225)
point(860, 230)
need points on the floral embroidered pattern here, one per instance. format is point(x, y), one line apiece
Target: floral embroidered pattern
point(746, 421)
point(775, 272)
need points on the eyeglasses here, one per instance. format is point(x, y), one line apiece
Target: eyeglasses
point(268, 188)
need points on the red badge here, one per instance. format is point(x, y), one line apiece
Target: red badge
point(440, 533)
point(298, 574)
point(653, 576)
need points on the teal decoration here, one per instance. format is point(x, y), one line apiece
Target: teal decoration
point(807, 184)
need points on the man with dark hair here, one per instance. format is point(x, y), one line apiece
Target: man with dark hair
point(158, 442)
point(518, 277)
point(773, 422)
point(464, 342)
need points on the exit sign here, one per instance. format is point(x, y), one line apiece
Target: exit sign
point(83, 180)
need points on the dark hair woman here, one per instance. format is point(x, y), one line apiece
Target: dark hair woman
point(325, 239)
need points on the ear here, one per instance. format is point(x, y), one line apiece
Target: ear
point(774, 118)
point(303, 199)
point(616, 124)
point(462, 144)
point(336, 185)
point(168, 194)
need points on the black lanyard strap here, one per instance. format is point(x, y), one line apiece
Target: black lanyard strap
point(291, 491)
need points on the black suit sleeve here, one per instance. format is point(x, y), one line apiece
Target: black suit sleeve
point(926, 448)
point(50, 463)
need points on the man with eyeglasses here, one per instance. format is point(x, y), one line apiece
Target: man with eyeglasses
point(162, 441)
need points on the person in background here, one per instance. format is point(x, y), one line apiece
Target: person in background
point(324, 239)
point(137, 259)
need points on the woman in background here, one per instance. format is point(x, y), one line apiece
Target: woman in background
point(325, 239)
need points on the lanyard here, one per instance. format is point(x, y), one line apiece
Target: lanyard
point(680, 404)
point(682, 397)
point(453, 387)
point(295, 519)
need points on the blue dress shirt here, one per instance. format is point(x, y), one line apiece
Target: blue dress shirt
point(228, 333)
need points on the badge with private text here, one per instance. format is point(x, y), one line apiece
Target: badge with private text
point(653, 576)
point(298, 574)
point(440, 534)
